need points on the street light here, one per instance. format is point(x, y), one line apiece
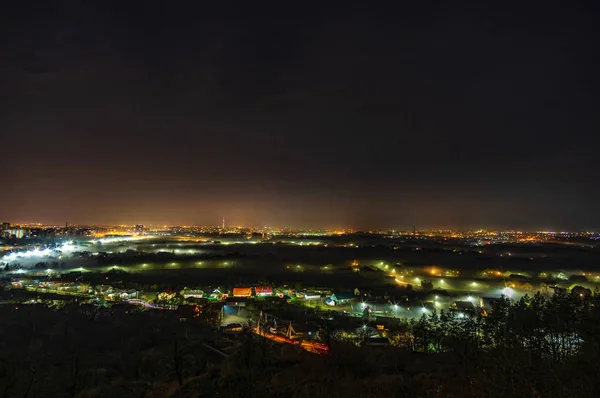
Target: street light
point(508, 292)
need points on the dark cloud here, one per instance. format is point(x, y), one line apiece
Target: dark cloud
point(360, 116)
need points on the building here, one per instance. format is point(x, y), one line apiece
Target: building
point(580, 291)
point(139, 229)
point(341, 298)
point(194, 293)
point(263, 290)
point(426, 286)
point(242, 292)
point(18, 233)
point(464, 306)
point(4, 226)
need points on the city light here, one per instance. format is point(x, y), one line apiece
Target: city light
point(508, 292)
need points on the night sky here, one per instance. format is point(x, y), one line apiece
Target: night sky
point(463, 115)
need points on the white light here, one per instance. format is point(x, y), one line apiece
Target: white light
point(470, 298)
point(508, 292)
point(424, 309)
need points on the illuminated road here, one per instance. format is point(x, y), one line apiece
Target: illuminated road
point(310, 346)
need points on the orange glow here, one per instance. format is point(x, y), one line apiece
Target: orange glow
point(310, 346)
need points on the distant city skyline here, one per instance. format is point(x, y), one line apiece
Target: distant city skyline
point(234, 225)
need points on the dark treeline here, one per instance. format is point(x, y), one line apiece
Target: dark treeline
point(534, 347)
point(556, 328)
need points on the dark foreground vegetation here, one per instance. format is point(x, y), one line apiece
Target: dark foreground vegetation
point(535, 347)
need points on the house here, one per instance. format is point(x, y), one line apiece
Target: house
point(242, 292)
point(119, 294)
point(195, 293)
point(465, 306)
point(386, 322)
point(341, 298)
point(263, 290)
point(312, 296)
point(580, 291)
point(102, 290)
point(426, 286)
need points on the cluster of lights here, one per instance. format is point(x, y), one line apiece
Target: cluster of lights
point(40, 253)
point(105, 241)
